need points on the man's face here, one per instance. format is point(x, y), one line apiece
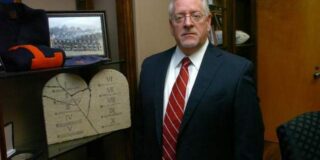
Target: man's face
point(189, 25)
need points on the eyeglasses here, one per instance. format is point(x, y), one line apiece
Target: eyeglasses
point(195, 17)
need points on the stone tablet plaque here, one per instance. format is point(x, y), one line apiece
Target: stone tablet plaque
point(72, 109)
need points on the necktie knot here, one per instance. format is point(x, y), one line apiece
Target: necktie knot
point(185, 62)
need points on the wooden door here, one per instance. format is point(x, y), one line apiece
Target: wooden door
point(288, 56)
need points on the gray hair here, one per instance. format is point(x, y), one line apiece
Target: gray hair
point(204, 6)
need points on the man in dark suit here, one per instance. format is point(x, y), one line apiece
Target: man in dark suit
point(212, 113)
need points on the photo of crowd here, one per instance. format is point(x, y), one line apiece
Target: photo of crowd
point(77, 35)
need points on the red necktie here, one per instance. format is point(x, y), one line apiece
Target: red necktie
point(174, 112)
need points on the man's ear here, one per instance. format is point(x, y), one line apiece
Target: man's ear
point(209, 22)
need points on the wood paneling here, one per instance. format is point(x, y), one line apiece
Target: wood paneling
point(288, 52)
point(84, 4)
point(127, 44)
point(2, 138)
point(127, 52)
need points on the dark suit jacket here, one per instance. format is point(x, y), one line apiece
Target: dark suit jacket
point(222, 119)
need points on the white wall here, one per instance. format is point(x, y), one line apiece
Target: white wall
point(109, 6)
point(152, 31)
point(51, 4)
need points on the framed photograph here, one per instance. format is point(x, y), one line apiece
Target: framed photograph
point(79, 33)
point(8, 134)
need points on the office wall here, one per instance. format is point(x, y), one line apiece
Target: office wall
point(109, 6)
point(152, 32)
point(51, 5)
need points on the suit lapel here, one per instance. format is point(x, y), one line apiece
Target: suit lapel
point(159, 89)
point(206, 74)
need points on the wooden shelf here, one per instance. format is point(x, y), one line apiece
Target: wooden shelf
point(60, 148)
point(4, 75)
point(245, 45)
point(21, 102)
point(20, 99)
point(237, 15)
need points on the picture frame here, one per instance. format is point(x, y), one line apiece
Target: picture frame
point(9, 138)
point(79, 33)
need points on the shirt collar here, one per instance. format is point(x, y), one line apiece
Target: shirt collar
point(195, 58)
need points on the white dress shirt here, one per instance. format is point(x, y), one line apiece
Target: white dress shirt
point(174, 69)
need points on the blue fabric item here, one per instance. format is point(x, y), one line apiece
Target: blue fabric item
point(21, 59)
point(6, 1)
point(83, 60)
point(299, 138)
point(20, 24)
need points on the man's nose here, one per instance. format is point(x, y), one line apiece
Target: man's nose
point(187, 21)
